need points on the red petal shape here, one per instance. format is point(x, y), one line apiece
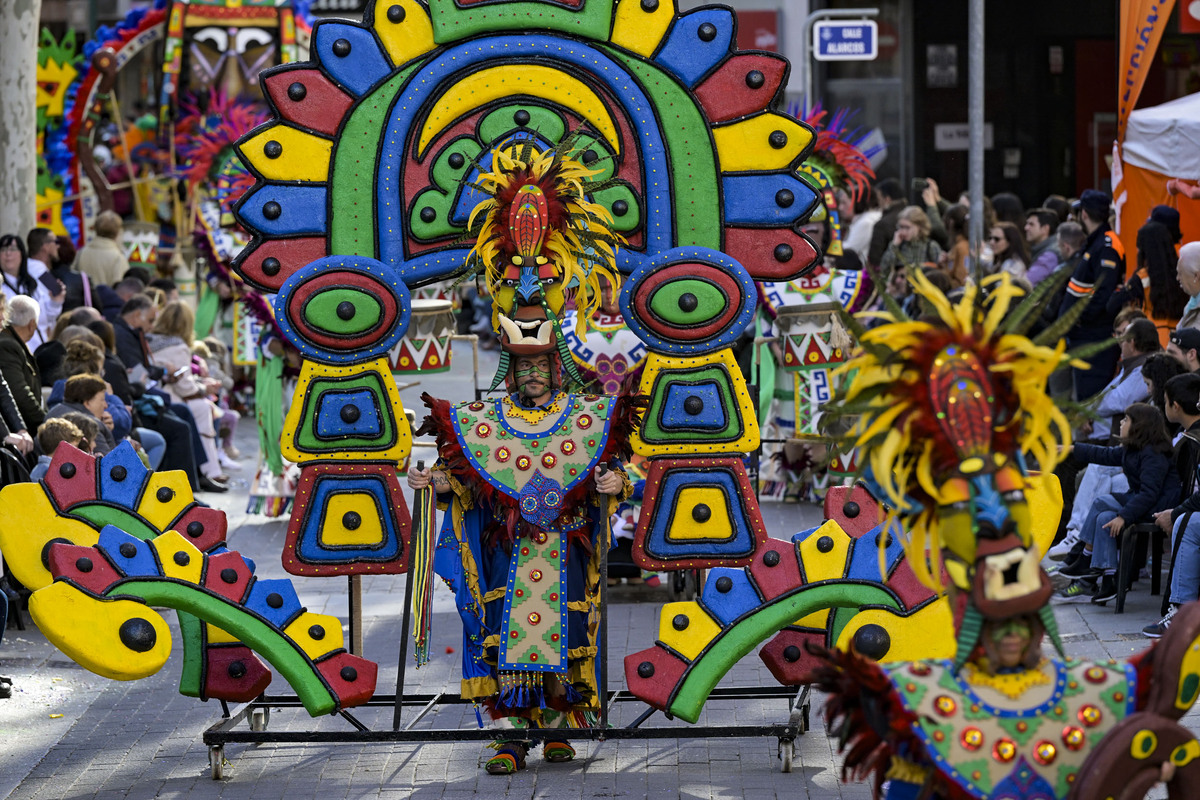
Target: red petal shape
point(220, 685)
point(292, 254)
point(80, 487)
point(729, 92)
point(67, 561)
point(322, 106)
point(760, 252)
point(655, 690)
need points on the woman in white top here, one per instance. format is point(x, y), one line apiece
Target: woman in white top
point(17, 280)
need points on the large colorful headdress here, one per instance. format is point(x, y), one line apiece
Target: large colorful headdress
point(952, 406)
point(540, 242)
point(840, 159)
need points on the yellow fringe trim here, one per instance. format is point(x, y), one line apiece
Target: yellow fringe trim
point(902, 770)
point(1012, 686)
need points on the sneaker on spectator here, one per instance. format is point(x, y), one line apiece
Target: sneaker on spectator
point(1080, 568)
point(1063, 548)
point(1077, 591)
point(1156, 630)
point(1106, 590)
point(227, 462)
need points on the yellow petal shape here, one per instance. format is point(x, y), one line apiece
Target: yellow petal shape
point(304, 156)
point(639, 30)
point(746, 145)
point(411, 35)
point(119, 639)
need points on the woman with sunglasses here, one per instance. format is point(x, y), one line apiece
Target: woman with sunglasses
point(1011, 254)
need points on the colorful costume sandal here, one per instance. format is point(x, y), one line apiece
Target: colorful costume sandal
point(509, 758)
point(557, 752)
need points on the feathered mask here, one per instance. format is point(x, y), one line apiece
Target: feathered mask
point(540, 241)
point(950, 406)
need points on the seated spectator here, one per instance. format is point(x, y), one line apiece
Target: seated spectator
point(171, 348)
point(85, 356)
point(1139, 339)
point(50, 435)
point(42, 247)
point(102, 259)
point(79, 289)
point(87, 394)
point(1156, 371)
point(137, 317)
point(138, 274)
point(89, 426)
point(1183, 407)
point(1145, 457)
point(17, 364)
point(15, 279)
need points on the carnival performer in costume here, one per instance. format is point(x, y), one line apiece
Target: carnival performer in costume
point(954, 410)
point(530, 481)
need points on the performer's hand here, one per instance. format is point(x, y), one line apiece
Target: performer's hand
point(607, 481)
point(419, 479)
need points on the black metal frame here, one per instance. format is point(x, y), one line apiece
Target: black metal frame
point(257, 712)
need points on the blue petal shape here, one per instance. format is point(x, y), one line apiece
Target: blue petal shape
point(687, 54)
point(301, 210)
point(739, 598)
point(350, 55)
point(864, 559)
point(776, 200)
point(122, 463)
point(274, 600)
point(139, 559)
point(660, 546)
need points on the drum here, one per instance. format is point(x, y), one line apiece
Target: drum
point(426, 345)
point(813, 347)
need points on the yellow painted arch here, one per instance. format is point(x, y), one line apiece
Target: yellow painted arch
point(495, 83)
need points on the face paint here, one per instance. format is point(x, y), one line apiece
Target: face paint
point(531, 373)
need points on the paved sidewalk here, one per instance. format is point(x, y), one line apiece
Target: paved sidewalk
point(69, 734)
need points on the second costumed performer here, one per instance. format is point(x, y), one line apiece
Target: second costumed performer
point(529, 481)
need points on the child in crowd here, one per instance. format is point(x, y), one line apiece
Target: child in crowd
point(1146, 458)
point(88, 426)
point(50, 435)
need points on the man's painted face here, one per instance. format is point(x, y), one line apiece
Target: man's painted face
point(532, 375)
point(1011, 639)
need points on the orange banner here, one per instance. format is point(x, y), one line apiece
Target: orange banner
point(1142, 26)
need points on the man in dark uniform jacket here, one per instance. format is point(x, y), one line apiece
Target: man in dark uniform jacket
point(1099, 272)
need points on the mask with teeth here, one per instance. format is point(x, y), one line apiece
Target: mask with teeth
point(954, 407)
point(540, 242)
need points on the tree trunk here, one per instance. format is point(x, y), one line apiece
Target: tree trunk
point(18, 119)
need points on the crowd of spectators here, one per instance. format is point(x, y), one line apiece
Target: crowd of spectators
point(94, 353)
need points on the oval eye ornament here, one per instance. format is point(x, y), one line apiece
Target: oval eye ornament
point(688, 301)
point(343, 309)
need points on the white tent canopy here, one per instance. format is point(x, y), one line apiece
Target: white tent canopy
point(1166, 138)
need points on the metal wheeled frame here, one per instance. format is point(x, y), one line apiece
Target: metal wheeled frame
point(257, 713)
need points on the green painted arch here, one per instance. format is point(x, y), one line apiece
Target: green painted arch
point(736, 641)
point(263, 638)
